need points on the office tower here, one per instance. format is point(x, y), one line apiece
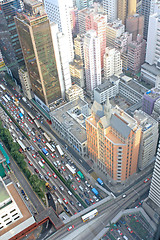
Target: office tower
point(138, 6)
point(136, 54)
point(110, 8)
point(149, 138)
point(153, 47)
point(9, 42)
point(154, 7)
point(154, 192)
point(25, 82)
point(92, 60)
point(78, 47)
point(34, 32)
point(61, 58)
point(121, 43)
point(74, 21)
point(122, 10)
point(74, 92)
point(81, 4)
point(149, 100)
point(132, 7)
point(113, 140)
point(77, 72)
point(58, 11)
point(112, 62)
point(135, 25)
point(145, 11)
point(113, 31)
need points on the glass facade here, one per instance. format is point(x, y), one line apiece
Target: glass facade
point(36, 41)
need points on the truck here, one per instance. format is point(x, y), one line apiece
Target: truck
point(48, 186)
point(23, 147)
point(24, 99)
point(100, 181)
point(95, 192)
point(80, 175)
point(59, 150)
point(45, 151)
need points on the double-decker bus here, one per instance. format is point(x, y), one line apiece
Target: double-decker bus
point(89, 215)
point(50, 147)
point(60, 150)
point(5, 99)
point(37, 123)
point(3, 88)
point(72, 170)
point(31, 116)
point(47, 137)
point(21, 145)
point(41, 164)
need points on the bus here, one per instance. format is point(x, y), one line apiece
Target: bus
point(21, 145)
point(45, 151)
point(31, 116)
point(8, 98)
point(41, 164)
point(47, 137)
point(80, 175)
point(72, 170)
point(60, 150)
point(3, 88)
point(37, 123)
point(50, 147)
point(89, 215)
point(5, 99)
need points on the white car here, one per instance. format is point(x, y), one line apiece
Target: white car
point(124, 195)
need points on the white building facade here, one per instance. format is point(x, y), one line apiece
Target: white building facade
point(92, 60)
point(110, 8)
point(112, 62)
point(154, 193)
point(58, 11)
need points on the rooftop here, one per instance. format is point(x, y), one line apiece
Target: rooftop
point(151, 68)
point(72, 118)
point(106, 85)
point(154, 93)
point(4, 194)
point(144, 119)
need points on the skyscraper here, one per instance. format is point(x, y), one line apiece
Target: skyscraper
point(135, 25)
point(58, 12)
point(92, 60)
point(113, 139)
point(112, 62)
point(9, 41)
point(122, 10)
point(145, 11)
point(110, 8)
point(132, 7)
point(154, 193)
point(34, 32)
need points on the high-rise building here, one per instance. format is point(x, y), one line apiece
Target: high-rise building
point(113, 31)
point(81, 4)
point(9, 41)
point(136, 54)
point(92, 60)
point(149, 138)
point(74, 92)
point(61, 58)
point(78, 47)
point(58, 11)
point(34, 33)
point(112, 62)
point(153, 47)
point(122, 10)
point(77, 73)
point(149, 100)
point(145, 11)
point(132, 7)
point(113, 140)
point(25, 82)
point(89, 19)
point(135, 25)
point(110, 8)
point(154, 192)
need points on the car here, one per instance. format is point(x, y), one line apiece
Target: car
point(33, 155)
point(146, 180)
point(66, 209)
point(37, 154)
point(61, 188)
point(78, 179)
point(79, 204)
point(72, 202)
point(86, 194)
point(43, 141)
point(30, 163)
point(29, 134)
point(42, 160)
point(22, 191)
point(119, 232)
point(65, 201)
point(59, 170)
point(124, 195)
point(63, 168)
point(91, 200)
point(48, 173)
point(62, 162)
point(28, 148)
point(41, 176)
point(39, 146)
point(74, 187)
point(26, 198)
point(37, 117)
point(10, 120)
point(46, 177)
point(31, 122)
point(54, 187)
point(129, 229)
point(36, 170)
point(70, 228)
point(81, 195)
point(54, 175)
point(52, 155)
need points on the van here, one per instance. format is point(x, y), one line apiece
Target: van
point(70, 177)
point(32, 147)
point(46, 177)
point(11, 127)
point(88, 203)
point(33, 133)
point(81, 188)
point(55, 164)
point(26, 125)
point(53, 146)
point(125, 237)
point(69, 192)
